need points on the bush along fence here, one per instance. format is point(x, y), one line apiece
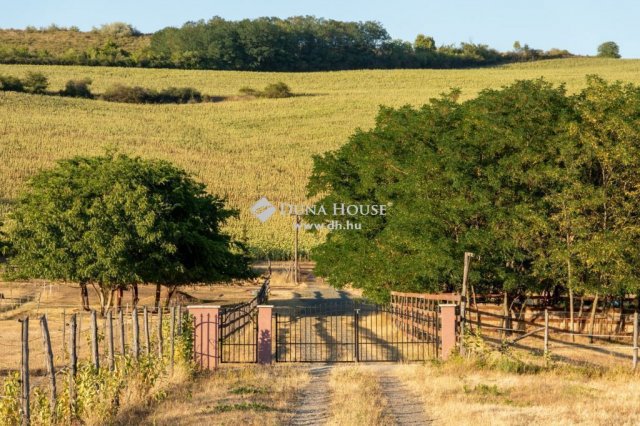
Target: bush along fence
point(125, 358)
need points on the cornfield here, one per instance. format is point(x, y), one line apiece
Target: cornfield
point(242, 149)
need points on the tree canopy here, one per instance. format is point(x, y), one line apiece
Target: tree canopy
point(609, 49)
point(113, 221)
point(541, 185)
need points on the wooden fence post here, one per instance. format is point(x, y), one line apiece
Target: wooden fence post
point(546, 332)
point(172, 332)
point(160, 342)
point(180, 320)
point(73, 362)
point(112, 361)
point(635, 340)
point(147, 337)
point(24, 372)
point(48, 353)
point(135, 335)
point(95, 357)
point(121, 327)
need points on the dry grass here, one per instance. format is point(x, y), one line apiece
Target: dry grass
point(243, 150)
point(356, 398)
point(250, 395)
point(461, 393)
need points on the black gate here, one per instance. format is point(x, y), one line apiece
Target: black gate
point(355, 332)
point(238, 329)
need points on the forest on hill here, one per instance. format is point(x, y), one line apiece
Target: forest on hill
point(301, 43)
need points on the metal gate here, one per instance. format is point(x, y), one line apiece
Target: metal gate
point(355, 332)
point(238, 329)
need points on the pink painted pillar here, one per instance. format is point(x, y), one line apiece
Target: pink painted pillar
point(205, 340)
point(265, 334)
point(448, 330)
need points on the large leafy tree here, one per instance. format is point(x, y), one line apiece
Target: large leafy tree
point(609, 49)
point(541, 185)
point(115, 221)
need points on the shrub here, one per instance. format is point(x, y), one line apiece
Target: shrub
point(273, 90)
point(128, 94)
point(11, 84)
point(78, 88)
point(119, 29)
point(140, 95)
point(249, 91)
point(35, 82)
point(277, 90)
point(180, 95)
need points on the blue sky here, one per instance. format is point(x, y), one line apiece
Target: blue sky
point(575, 25)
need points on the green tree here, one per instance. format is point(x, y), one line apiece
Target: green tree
point(424, 43)
point(541, 185)
point(609, 49)
point(115, 221)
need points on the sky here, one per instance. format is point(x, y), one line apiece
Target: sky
point(579, 26)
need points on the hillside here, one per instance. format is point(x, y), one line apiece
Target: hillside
point(242, 149)
point(59, 42)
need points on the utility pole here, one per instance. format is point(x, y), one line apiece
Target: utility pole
point(295, 252)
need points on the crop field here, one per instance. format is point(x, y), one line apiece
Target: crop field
point(240, 148)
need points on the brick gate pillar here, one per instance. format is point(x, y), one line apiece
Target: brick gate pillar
point(206, 345)
point(265, 335)
point(448, 330)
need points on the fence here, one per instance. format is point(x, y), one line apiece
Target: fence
point(228, 334)
point(50, 345)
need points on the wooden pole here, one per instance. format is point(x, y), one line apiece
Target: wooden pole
point(463, 298)
point(180, 320)
point(48, 353)
point(546, 332)
point(121, 327)
point(73, 362)
point(147, 337)
point(64, 335)
point(172, 332)
point(135, 335)
point(635, 340)
point(295, 252)
point(24, 372)
point(593, 317)
point(95, 357)
point(160, 333)
point(112, 360)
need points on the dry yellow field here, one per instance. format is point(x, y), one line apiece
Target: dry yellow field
point(243, 149)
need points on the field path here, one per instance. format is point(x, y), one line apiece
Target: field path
point(406, 408)
point(313, 408)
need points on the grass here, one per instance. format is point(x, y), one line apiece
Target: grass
point(240, 149)
point(463, 392)
point(356, 398)
point(214, 398)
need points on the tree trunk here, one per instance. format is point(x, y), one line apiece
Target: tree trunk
point(571, 317)
point(119, 296)
point(156, 303)
point(84, 294)
point(170, 292)
point(134, 295)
